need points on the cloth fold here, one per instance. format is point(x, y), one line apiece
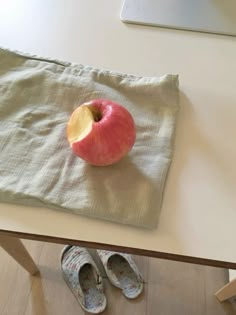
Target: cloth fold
point(37, 166)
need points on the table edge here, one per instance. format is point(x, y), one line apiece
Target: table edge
point(120, 248)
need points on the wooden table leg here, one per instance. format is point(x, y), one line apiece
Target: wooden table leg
point(16, 249)
point(227, 292)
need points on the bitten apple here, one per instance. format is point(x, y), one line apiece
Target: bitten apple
point(101, 132)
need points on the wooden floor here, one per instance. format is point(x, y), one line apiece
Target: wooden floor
point(171, 288)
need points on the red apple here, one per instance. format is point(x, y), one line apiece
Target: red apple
point(101, 132)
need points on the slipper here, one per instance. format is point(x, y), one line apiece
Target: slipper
point(122, 272)
point(83, 278)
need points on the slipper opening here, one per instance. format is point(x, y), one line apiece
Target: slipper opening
point(128, 280)
point(94, 298)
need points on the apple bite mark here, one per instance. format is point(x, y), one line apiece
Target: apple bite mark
point(80, 123)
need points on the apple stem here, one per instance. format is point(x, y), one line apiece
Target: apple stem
point(97, 114)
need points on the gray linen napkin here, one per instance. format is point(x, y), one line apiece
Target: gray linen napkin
point(37, 166)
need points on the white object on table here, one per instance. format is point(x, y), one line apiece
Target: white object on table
point(198, 15)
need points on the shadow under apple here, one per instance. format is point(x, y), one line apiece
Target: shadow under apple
point(121, 192)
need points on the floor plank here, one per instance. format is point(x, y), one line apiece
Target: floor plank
point(170, 288)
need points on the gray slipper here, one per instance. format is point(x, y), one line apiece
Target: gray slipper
point(83, 278)
point(122, 272)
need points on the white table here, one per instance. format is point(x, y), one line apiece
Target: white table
point(198, 218)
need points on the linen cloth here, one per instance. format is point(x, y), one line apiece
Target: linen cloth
point(37, 165)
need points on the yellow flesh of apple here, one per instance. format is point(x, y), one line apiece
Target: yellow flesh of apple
point(80, 124)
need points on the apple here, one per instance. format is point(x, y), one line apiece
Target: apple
point(101, 132)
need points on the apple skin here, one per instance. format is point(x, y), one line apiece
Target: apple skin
point(110, 138)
